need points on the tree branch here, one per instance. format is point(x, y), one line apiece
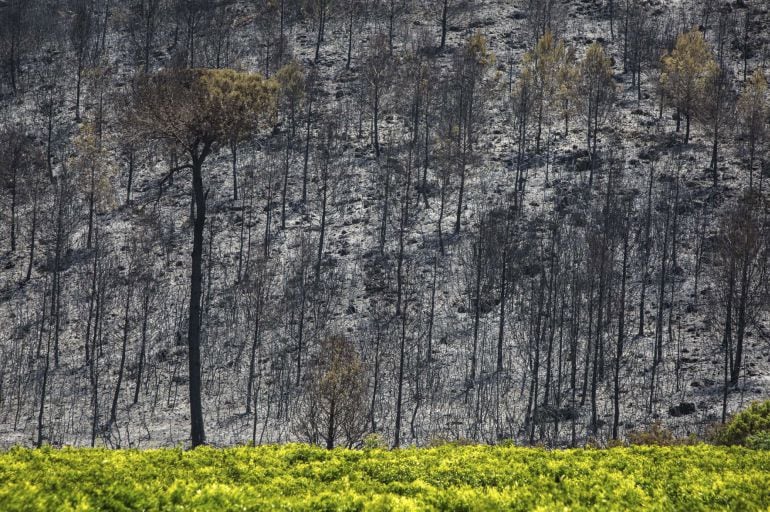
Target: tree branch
point(169, 175)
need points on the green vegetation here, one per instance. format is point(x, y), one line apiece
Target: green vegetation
point(300, 477)
point(750, 427)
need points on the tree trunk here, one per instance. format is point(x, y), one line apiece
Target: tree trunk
point(376, 123)
point(322, 233)
point(307, 149)
point(13, 210)
point(460, 194)
point(350, 38)
point(320, 33)
point(93, 377)
point(621, 338)
point(56, 281)
point(375, 380)
point(78, 80)
point(599, 339)
point(401, 362)
point(444, 14)
point(715, 153)
point(91, 304)
point(402, 231)
point(431, 314)
point(43, 390)
point(91, 199)
point(439, 221)
point(477, 306)
point(284, 188)
point(234, 160)
point(727, 339)
point(501, 330)
point(130, 175)
point(33, 232)
point(122, 365)
point(332, 426)
point(735, 371)
point(197, 433)
point(646, 254)
point(385, 209)
point(143, 346)
point(657, 357)
point(301, 329)
point(254, 347)
point(589, 342)
point(281, 31)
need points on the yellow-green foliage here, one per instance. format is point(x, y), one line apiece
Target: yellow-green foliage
point(686, 70)
point(476, 48)
point(754, 422)
point(192, 106)
point(753, 109)
point(549, 71)
point(94, 167)
point(300, 477)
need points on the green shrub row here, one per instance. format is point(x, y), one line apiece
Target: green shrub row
point(300, 477)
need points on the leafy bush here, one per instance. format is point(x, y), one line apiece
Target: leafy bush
point(374, 441)
point(654, 435)
point(305, 478)
point(751, 422)
point(759, 441)
point(439, 441)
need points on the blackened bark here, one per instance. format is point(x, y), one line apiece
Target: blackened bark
point(197, 432)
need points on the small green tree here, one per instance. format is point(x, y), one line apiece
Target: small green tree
point(686, 71)
point(546, 67)
point(18, 159)
point(714, 111)
point(240, 102)
point(753, 111)
point(596, 95)
point(95, 171)
point(378, 75)
point(740, 270)
point(471, 64)
point(319, 11)
point(291, 79)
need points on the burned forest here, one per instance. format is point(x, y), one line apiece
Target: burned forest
point(224, 222)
